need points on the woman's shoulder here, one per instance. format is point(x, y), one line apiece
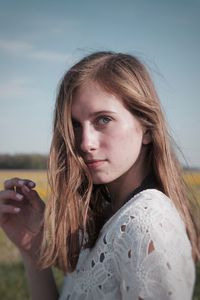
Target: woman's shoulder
point(153, 208)
point(151, 198)
point(146, 207)
point(149, 215)
point(152, 216)
point(152, 201)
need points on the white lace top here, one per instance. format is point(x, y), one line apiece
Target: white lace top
point(142, 252)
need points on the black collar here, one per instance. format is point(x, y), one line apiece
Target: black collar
point(149, 182)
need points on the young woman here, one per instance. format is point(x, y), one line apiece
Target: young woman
point(118, 222)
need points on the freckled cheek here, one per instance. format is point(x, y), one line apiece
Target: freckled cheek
point(122, 138)
point(120, 146)
point(115, 149)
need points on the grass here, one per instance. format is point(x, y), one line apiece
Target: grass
point(13, 283)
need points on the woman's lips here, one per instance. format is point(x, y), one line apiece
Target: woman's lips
point(95, 163)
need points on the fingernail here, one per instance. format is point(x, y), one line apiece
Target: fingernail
point(26, 188)
point(31, 184)
point(19, 197)
point(17, 209)
point(21, 182)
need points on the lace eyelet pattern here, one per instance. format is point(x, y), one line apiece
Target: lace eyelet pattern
point(142, 253)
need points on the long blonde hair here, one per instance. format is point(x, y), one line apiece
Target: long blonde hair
point(75, 205)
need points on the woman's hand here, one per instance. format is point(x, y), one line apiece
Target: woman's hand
point(21, 215)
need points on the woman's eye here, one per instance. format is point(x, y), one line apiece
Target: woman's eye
point(103, 120)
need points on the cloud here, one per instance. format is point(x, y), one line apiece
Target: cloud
point(53, 26)
point(25, 49)
point(14, 88)
point(49, 56)
point(14, 47)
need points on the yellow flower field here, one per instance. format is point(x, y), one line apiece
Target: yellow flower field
point(192, 178)
point(40, 178)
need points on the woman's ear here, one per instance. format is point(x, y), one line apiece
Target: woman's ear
point(146, 137)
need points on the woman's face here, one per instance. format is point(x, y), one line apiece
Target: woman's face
point(109, 138)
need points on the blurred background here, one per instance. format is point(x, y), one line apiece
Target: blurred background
point(40, 40)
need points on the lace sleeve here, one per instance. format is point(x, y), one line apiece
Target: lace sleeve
point(152, 251)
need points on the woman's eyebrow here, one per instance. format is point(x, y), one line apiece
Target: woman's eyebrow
point(95, 114)
point(101, 112)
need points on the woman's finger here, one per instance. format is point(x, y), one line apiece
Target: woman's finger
point(9, 209)
point(18, 183)
point(5, 211)
point(10, 195)
point(33, 197)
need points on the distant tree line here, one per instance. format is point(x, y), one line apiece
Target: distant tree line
point(37, 161)
point(23, 161)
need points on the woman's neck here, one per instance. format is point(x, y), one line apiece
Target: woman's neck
point(121, 188)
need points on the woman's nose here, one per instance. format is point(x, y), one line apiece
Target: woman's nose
point(89, 139)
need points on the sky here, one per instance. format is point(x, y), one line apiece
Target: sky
point(40, 40)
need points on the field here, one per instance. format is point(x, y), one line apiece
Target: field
point(13, 283)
